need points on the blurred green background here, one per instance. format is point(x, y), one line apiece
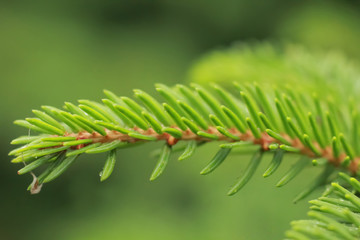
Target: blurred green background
point(61, 50)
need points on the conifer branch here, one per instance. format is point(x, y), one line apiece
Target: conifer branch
point(318, 122)
point(194, 115)
point(335, 215)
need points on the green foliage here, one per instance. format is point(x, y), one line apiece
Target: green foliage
point(317, 121)
point(99, 128)
point(335, 215)
point(329, 74)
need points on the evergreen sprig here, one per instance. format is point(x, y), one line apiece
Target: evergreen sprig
point(272, 120)
point(284, 101)
point(335, 215)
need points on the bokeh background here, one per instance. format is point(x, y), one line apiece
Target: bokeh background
point(61, 50)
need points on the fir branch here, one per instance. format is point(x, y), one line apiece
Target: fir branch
point(196, 115)
point(335, 215)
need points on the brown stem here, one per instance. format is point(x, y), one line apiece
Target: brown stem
point(264, 141)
